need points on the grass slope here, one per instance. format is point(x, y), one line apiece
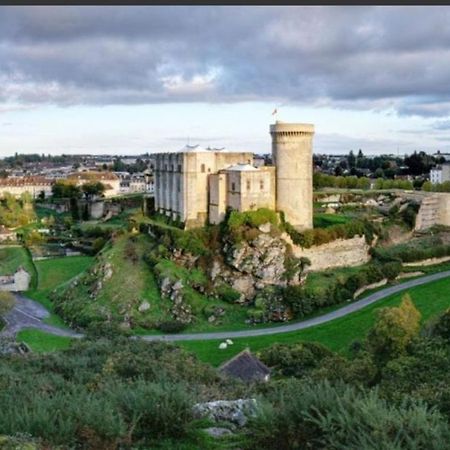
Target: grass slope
point(41, 342)
point(52, 273)
point(131, 283)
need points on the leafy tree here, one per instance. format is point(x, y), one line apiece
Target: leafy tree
point(351, 159)
point(394, 329)
point(93, 189)
point(64, 189)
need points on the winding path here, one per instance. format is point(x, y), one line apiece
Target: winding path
point(30, 314)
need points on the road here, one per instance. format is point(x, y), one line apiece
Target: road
point(30, 314)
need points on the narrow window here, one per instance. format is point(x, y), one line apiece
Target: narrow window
point(202, 168)
point(233, 187)
point(261, 185)
point(248, 185)
point(179, 167)
point(178, 185)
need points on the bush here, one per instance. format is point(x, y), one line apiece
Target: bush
point(228, 294)
point(172, 326)
point(302, 415)
point(295, 359)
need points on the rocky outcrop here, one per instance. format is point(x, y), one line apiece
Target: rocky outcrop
point(250, 266)
point(236, 412)
point(173, 290)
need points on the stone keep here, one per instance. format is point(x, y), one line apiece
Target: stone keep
point(292, 156)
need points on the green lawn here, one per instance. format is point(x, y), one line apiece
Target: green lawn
point(430, 299)
point(323, 220)
point(11, 258)
point(40, 342)
point(52, 273)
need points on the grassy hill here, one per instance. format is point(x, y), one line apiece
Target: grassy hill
point(114, 287)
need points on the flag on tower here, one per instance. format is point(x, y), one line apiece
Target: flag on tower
point(274, 111)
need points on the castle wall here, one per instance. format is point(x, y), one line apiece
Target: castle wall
point(292, 156)
point(217, 197)
point(181, 182)
point(339, 253)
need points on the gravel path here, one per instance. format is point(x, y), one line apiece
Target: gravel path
point(30, 314)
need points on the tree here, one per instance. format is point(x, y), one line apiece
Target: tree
point(394, 329)
point(351, 159)
point(93, 189)
point(64, 189)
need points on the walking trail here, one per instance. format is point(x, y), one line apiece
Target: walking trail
point(30, 314)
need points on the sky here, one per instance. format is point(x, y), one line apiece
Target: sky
point(129, 80)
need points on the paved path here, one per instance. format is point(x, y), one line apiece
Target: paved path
point(30, 314)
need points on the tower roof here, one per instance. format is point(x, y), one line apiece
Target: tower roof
point(241, 167)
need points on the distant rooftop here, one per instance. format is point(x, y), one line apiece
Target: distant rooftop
point(246, 367)
point(241, 167)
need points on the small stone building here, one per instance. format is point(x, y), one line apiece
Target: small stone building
point(246, 367)
point(19, 281)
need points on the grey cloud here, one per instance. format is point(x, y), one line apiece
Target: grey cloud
point(351, 57)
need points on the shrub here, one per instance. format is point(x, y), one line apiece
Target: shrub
point(295, 359)
point(172, 326)
point(228, 294)
point(302, 415)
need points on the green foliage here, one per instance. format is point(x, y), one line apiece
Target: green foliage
point(228, 294)
point(172, 326)
point(240, 226)
point(440, 327)
point(394, 330)
point(93, 189)
point(16, 212)
point(104, 394)
point(65, 189)
point(414, 250)
point(302, 415)
point(320, 236)
point(295, 359)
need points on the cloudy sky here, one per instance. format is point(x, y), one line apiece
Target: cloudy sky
point(136, 79)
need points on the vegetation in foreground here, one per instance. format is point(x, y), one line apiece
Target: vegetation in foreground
point(393, 391)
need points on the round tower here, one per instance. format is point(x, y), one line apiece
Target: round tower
point(292, 156)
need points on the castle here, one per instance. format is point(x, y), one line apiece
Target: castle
point(199, 184)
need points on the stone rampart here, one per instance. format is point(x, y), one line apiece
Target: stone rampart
point(338, 253)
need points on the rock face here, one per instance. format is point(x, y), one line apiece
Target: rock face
point(236, 412)
point(8, 346)
point(173, 290)
point(252, 265)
